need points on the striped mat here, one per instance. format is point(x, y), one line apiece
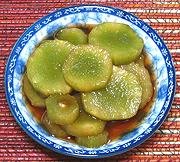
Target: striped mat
point(17, 15)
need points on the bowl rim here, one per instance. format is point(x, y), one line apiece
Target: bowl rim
point(119, 151)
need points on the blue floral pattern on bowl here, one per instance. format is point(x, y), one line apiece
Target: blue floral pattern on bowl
point(90, 14)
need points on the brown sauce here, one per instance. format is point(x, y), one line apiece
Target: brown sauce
point(116, 129)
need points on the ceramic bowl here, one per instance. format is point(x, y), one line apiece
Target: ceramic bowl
point(90, 14)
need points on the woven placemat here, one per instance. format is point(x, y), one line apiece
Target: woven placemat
point(17, 15)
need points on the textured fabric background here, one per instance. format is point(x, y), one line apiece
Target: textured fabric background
point(17, 15)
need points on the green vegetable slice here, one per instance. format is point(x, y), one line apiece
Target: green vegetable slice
point(119, 100)
point(74, 35)
point(143, 75)
point(122, 42)
point(93, 141)
point(85, 125)
point(52, 128)
point(87, 68)
point(34, 97)
point(44, 67)
point(62, 109)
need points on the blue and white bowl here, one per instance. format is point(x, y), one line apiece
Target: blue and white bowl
point(90, 14)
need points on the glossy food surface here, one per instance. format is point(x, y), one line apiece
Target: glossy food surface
point(143, 75)
point(120, 99)
point(123, 44)
point(74, 35)
point(93, 141)
point(85, 125)
point(87, 68)
point(44, 67)
point(62, 109)
point(52, 128)
point(34, 97)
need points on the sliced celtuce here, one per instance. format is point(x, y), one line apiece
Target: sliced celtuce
point(122, 42)
point(52, 128)
point(62, 109)
point(73, 35)
point(85, 125)
point(34, 97)
point(93, 141)
point(119, 100)
point(143, 75)
point(44, 67)
point(87, 68)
